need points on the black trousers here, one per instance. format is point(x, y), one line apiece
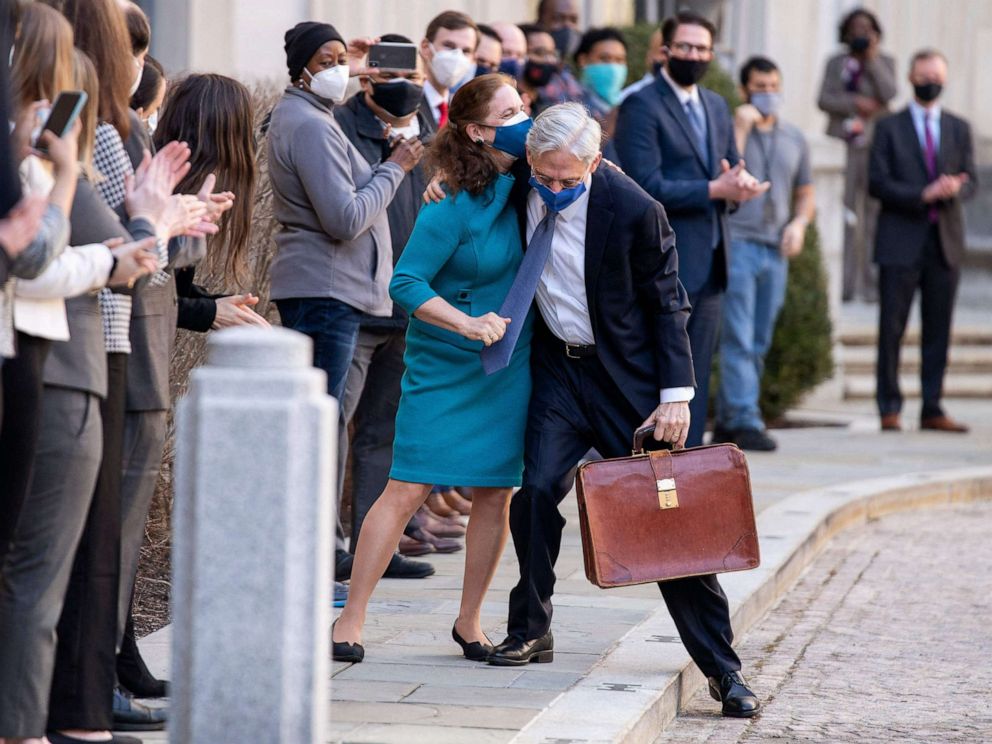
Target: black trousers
point(704, 332)
point(22, 389)
point(575, 405)
point(897, 285)
point(82, 692)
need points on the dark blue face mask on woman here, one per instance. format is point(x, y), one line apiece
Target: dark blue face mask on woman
point(562, 200)
point(511, 138)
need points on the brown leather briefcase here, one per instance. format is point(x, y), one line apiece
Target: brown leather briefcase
point(664, 515)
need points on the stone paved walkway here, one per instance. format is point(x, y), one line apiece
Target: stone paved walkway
point(886, 637)
point(414, 688)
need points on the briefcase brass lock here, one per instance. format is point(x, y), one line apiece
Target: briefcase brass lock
point(668, 496)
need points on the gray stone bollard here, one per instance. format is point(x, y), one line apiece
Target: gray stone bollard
point(252, 544)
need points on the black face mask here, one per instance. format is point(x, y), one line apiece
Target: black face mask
point(567, 40)
point(481, 70)
point(539, 74)
point(859, 44)
point(656, 68)
point(928, 91)
point(687, 72)
point(397, 99)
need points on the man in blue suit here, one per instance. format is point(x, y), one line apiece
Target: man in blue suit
point(676, 140)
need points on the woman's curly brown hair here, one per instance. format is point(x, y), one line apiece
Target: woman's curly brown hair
point(460, 162)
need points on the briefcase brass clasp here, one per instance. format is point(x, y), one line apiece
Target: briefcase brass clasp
point(668, 496)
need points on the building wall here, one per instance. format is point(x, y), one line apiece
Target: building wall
point(244, 38)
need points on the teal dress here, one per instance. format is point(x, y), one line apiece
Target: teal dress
point(455, 424)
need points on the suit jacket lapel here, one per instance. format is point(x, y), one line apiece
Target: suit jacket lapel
point(944, 147)
point(599, 220)
point(675, 108)
point(711, 141)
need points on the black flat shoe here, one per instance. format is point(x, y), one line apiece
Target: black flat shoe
point(738, 700)
point(350, 652)
point(403, 568)
point(514, 652)
point(473, 651)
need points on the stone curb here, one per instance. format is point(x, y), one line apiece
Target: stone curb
point(638, 687)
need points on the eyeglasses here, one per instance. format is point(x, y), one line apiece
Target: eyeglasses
point(684, 47)
point(566, 183)
point(544, 55)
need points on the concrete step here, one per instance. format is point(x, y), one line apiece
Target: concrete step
point(962, 359)
point(862, 386)
point(969, 335)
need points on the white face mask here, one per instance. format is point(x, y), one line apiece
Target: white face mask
point(10, 62)
point(152, 122)
point(137, 80)
point(449, 66)
point(330, 83)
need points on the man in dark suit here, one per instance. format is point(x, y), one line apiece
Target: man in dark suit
point(676, 140)
point(921, 169)
point(610, 353)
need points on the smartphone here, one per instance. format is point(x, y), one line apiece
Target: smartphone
point(64, 113)
point(393, 57)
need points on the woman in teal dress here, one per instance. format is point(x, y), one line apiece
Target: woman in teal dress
point(456, 424)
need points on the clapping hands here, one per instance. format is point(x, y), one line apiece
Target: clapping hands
point(736, 184)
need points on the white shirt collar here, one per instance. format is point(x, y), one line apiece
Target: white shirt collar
point(434, 98)
point(683, 94)
point(919, 112)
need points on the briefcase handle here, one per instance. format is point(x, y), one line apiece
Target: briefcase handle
point(643, 433)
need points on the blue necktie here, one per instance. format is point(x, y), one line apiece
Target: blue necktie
point(521, 295)
point(695, 115)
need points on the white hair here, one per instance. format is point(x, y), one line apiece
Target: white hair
point(569, 127)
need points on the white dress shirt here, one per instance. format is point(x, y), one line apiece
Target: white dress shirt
point(434, 99)
point(920, 115)
point(683, 94)
point(561, 290)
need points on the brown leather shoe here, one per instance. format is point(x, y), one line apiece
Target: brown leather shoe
point(890, 422)
point(457, 502)
point(440, 527)
point(943, 423)
point(409, 546)
point(440, 544)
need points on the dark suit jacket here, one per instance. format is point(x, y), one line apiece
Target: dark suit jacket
point(897, 175)
point(363, 130)
point(878, 81)
point(657, 149)
point(638, 307)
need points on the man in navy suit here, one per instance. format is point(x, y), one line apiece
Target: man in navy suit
point(610, 353)
point(676, 140)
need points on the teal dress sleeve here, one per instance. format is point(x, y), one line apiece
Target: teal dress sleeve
point(436, 236)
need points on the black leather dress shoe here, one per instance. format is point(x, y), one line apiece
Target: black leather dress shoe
point(731, 689)
point(56, 738)
point(403, 568)
point(132, 716)
point(514, 652)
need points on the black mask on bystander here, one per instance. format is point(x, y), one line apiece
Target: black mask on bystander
point(398, 98)
point(859, 44)
point(928, 91)
point(539, 74)
point(687, 72)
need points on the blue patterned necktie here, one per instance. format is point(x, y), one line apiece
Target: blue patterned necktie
point(695, 114)
point(521, 295)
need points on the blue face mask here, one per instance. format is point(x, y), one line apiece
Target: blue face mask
point(512, 67)
point(766, 103)
point(606, 79)
point(511, 138)
point(562, 200)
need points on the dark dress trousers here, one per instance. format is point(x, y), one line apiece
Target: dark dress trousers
point(914, 252)
point(638, 310)
point(657, 148)
point(372, 392)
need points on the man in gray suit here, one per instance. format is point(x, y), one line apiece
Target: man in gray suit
point(857, 86)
